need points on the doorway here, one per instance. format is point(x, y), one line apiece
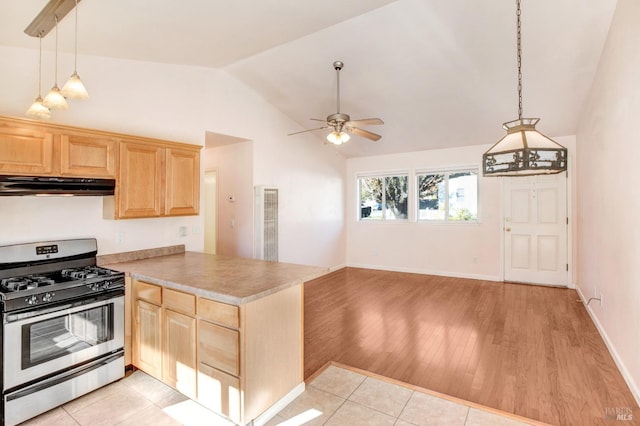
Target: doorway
point(535, 229)
point(210, 211)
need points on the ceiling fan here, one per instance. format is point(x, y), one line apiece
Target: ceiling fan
point(341, 123)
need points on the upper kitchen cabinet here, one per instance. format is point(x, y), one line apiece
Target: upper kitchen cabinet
point(88, 156)
point(25, 149)
point(182, 195)
point(157, 179)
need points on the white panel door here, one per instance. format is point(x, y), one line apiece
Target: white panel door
point(535, 229)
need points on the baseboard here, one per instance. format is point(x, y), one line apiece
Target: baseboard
point(428, 272)
point(337, 267)
point(635, 391)
point(270, 412)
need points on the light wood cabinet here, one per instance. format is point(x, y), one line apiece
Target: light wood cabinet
point(25, 149)
point(235, 360)
point(140, 180)
point(88, 156)
point(179, 356)
point(182, 193)
point(147, 338)
point(155, 180)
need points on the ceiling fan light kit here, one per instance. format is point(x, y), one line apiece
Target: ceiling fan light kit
point(523, 151)
point(341, 123)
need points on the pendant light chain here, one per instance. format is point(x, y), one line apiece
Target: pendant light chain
point(519, 42)
point(55, 73)
point(40, 68)
point(75, 57)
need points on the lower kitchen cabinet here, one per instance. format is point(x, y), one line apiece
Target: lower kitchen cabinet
point(235, 360)
point(179, 356)
point(147, 338)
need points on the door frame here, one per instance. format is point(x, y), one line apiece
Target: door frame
point(570, 200)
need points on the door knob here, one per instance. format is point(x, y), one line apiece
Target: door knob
point(507, 229)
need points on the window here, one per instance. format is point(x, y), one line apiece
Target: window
point(448, 196)
point(383, 198)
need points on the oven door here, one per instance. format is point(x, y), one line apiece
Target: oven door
point(44, 341)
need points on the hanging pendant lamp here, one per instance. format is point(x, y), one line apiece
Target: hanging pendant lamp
point(73, 88)
point(54, 99)
point(37, 108)
point(523, 151)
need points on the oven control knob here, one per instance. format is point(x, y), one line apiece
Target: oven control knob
point(47, 297)
point(31, 300)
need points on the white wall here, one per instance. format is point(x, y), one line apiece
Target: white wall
point(608, 196)
point(177, 103)
point(455, 249)
point(234, 178)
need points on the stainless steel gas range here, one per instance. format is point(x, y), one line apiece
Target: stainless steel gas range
point(62, 325)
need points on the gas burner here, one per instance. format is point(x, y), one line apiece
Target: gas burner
point(25, 283)
point(86, 272)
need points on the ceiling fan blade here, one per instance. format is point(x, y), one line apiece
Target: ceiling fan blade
point(365, 122)
point(308, 130)
point(364, 133)
point(317, 119)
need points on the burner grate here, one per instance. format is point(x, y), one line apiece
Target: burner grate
point(25, 283)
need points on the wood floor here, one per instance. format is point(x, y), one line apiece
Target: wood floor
point(528, 350)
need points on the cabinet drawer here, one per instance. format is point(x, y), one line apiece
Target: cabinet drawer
point(218, 312)
point(219, 392)
point(180, 302)
point(219, 347)
point(149, 292)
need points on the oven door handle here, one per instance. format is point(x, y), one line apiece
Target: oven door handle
point(43, 312)
point(75, 372)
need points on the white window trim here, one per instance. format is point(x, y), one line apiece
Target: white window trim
point(446, 171)
point(383, 174)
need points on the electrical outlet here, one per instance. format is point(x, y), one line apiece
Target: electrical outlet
point(120, 238)
point(183, 231)
point(196, 230)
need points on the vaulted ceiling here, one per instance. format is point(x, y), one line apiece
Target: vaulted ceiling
point(440, 73)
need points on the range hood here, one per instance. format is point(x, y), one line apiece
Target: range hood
point(43, 185)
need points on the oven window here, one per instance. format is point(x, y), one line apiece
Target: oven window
point(71, 332)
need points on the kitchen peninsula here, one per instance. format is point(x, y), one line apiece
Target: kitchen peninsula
point(225, 331)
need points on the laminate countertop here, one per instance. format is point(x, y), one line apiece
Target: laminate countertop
point(226, 279)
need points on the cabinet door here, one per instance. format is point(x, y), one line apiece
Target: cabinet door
point(219, 392)
point(183, 182)
point(179, 357)
point(88, 156)
point(147, 338)
point(25, 150)
point(140, 186)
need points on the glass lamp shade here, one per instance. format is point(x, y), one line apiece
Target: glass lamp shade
point(74, 89)
point(338, 138)
point(524, 151)
point(55, 100)
point(38, 110)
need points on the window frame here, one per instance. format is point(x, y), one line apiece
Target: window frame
point(383, 175)
point(447, 172)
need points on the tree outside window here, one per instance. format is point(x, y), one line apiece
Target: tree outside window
point(449, 196)
point(384, 198)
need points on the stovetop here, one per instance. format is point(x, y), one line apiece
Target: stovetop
point(40, 281)
point(39, 274)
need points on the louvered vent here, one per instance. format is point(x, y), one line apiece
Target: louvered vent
point(266, 223)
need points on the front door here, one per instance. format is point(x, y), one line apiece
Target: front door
point(535, 229)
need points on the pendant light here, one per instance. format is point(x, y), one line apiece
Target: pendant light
point(37, 109)
point(54, 99)
point(73, 88)
point(523, 151)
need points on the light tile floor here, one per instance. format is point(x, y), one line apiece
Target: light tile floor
point(337, 396)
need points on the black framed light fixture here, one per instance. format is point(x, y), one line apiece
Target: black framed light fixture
point(523, 151)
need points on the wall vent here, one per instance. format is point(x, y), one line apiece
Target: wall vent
point(266, 223)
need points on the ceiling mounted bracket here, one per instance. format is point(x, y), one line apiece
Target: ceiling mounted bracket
point(46, 19)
